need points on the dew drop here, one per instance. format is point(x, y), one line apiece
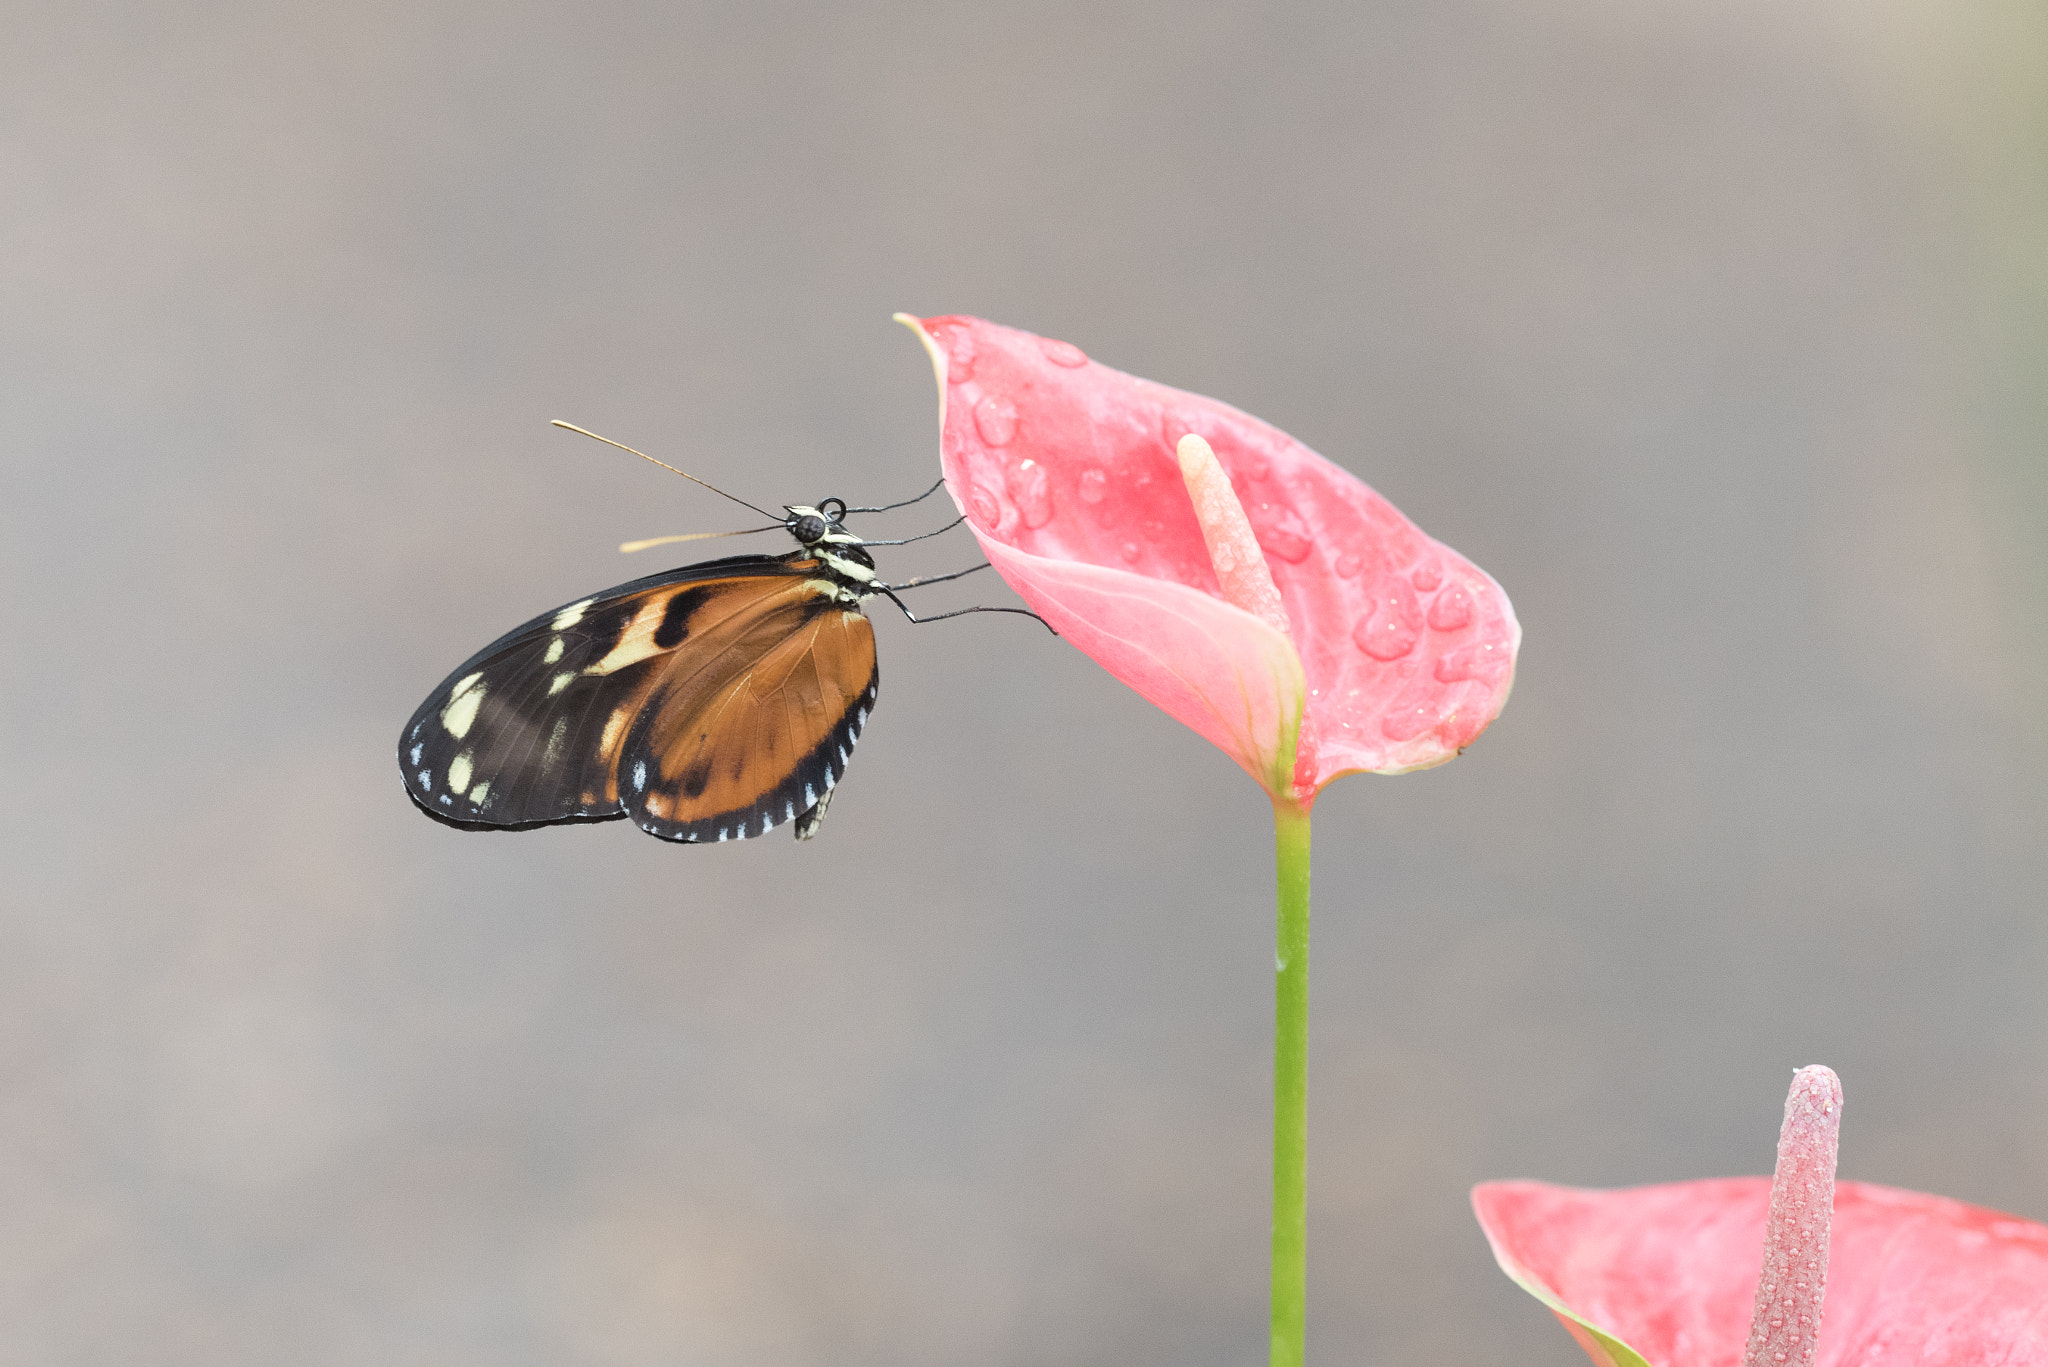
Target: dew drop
point(1391, 630)
point(1349, 564)
point(1131, 551)
point(988, 514)
point(996, 419)
point(1062, 353)
point(959, 345)
point(1031, 488)
point(1290, 543)
point(1382, 640)
point(1093, 485)
point(1451, 610)
point(1427, 577)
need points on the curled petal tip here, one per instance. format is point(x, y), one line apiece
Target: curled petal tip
point(932, 349)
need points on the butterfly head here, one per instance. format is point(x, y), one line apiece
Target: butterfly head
point(822, 534)
point(810, 525)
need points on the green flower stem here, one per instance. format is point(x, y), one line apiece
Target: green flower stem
point(1290, 1088)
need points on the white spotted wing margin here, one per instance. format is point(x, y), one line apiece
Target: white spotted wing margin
point(709, 703)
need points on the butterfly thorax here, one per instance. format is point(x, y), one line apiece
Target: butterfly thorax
point(846, 568)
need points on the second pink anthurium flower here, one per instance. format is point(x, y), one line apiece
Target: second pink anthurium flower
point(1849, 1274)
point(1386, 651)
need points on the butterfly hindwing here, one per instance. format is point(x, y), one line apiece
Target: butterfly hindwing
point(761, 732)
point(545, 724)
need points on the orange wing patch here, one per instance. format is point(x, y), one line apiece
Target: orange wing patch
point(760, 728)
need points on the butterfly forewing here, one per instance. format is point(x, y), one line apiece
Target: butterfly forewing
point(745, 679)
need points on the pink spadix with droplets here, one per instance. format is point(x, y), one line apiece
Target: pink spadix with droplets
point(1391, 651)
point(1739, 1270)
point(1792, 1288)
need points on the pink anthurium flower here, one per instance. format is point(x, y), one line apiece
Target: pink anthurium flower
point(1388, 651)
point(1747, 1271)
point(1249, 588)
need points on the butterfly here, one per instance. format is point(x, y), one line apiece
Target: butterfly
point(712, 702)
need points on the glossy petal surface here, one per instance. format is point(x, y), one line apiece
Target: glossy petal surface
point(1406, 649)
point(1665, 1275)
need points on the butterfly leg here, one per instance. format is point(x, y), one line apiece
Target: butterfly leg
point(921, 536)
point(887, 507)
point(958, 612)
point(936, 578)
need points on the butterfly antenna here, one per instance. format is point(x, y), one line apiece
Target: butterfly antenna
point(628, 547)
point(664, 465)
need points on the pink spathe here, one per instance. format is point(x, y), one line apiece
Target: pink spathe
point(1392, 653)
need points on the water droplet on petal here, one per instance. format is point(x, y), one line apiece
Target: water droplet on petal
point(1382, 640)
point(1131, 551)
point(1451, 610)
point(1427, 577)
point(1283, 535)
point(1349, 564)
point(1093, 485)
point(959, 345)
point(996, 419)
point(1031, 489)
point(988, 514)
point(1062, 353)
point(1394, 625)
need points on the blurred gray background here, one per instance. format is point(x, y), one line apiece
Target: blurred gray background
point(1715, 331)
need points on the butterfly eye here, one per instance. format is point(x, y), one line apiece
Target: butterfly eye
point(809, 528)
